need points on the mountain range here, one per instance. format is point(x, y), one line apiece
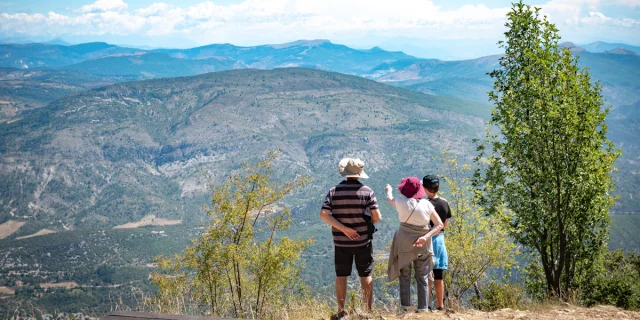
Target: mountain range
point(96, 138)
point(73, 69)
point(316, 54)
point(58, 76)
point(114, 154)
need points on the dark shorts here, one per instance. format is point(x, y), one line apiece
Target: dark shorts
point(438, 274)
point(344, 257)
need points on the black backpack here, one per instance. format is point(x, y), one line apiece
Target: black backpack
point(371, 228)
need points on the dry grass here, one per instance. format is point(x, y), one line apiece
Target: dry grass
point(150, 220)
point(10, 227)
point(39, 233)
point(67, 285)
point(6, 290)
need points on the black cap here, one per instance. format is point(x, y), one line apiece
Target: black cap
point(430, 180)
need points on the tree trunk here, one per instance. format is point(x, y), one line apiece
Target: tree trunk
point(477, 291)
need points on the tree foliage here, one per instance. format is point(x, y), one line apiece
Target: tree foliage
point(475, 241)
point(618, 284)
point(238, 267)
point(551, 163)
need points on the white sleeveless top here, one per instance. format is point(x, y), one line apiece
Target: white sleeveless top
point(422, 214)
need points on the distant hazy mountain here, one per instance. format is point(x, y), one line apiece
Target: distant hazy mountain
point(600, 46)
point(39, 55)
point(465, 79)
point(621, 51)
point(572, 46)
point(152, 65)
point(443, 49)
point(58, 41)
point(315, 54)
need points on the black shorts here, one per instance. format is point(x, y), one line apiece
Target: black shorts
point(344, 257)
point(438, 274)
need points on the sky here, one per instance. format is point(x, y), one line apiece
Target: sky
point(426, 28)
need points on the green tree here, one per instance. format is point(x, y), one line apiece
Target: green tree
point(475, 242)
point(551, 162)
point(238, 267)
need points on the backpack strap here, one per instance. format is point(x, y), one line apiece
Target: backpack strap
point(414, 209)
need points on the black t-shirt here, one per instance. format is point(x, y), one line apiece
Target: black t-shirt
point(442, 208)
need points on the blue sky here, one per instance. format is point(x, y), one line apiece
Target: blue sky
point(444, 29)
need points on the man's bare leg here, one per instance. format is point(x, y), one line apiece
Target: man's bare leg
point(439, 284)
point(367, 291)
point(341, 292)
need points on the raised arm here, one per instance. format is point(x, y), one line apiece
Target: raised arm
point(390, 198)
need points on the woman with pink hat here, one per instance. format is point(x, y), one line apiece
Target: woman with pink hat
point(412, 242)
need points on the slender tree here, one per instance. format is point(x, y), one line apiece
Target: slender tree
point(550, 164)
point(238, 266)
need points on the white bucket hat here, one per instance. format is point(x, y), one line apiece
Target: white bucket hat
point(352, 168)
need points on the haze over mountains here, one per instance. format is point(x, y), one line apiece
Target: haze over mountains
point(40, 73)
point(96, 136)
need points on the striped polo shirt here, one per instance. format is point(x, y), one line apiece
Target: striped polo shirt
point(348, 202)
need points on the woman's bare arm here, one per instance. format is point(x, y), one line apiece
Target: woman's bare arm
point(390, 198)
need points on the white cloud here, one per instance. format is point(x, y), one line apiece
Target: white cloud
point(596, 18)
point(270, 21)
point(104, 5)
point(629, 3)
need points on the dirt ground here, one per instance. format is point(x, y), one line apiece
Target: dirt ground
point(543, 313)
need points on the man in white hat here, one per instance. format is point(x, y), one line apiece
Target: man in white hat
point(344, 209)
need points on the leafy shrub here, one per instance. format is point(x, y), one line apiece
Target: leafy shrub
point(500, 295)
point(618, 284)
